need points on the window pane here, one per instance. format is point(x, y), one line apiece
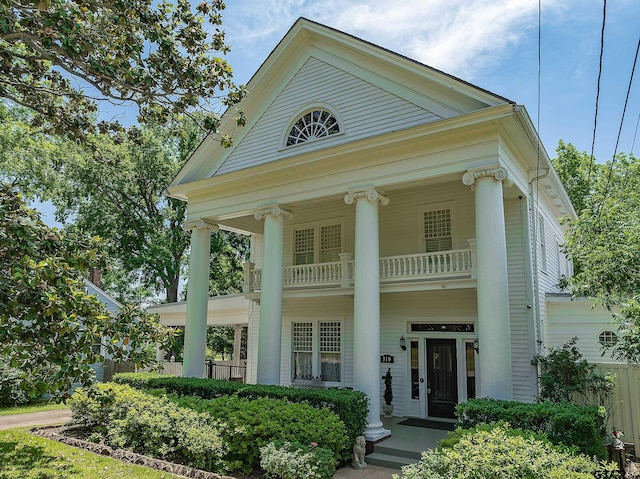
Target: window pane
point(471, 370)
point(415, 372)
point(330, 351)
point(302, 344)
point(330, 243)
point(303, 247)
point(437, 230)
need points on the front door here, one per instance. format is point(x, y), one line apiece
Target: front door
point(442, 377)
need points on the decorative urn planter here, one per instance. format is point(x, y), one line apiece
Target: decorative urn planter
point(387, 409)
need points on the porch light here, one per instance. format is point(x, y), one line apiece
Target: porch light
point(475, 345)
point(403, 344)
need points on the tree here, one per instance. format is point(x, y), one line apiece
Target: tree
point(604, 243)
point(46, 317)
point(115, 190)
point(60, 57)
point(220, 340)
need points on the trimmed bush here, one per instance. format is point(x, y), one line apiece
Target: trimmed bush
point(123, 417)
point(573, 425)
point(351, 406)
point(246, 425)
point(292, 460)
point(500, 453)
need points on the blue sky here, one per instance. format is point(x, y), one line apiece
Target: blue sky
point(490, 43)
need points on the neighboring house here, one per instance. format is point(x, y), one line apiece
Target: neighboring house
point(578, 317)
point(103, 370)
point(397, 215)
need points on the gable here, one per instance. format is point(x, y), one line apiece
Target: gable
point(362, 109)
point(372, 91)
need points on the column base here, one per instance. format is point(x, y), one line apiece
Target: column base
point(375, 432)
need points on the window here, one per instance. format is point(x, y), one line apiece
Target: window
point(543, 244)
point(436, 227)
point(317, 351)
point(315, 124)
point(320, 243)
point(608, 338)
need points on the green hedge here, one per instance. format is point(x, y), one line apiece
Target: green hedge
point(351, 406)
point(123, 417)
point(577, 426)
point(247, 425)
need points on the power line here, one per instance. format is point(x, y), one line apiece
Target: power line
point(595, 116)
point(633, 143)
point(624, 110)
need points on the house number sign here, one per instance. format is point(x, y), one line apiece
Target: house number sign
point(386, 359)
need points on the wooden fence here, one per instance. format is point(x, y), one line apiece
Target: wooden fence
point(625, 407)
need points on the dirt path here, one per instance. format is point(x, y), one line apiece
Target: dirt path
point(44, 418)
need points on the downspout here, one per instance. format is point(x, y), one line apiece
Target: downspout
point(533, 220)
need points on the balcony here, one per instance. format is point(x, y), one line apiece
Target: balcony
point(409, 268)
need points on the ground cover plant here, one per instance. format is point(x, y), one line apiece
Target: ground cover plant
point(499, 452)
point(293, 460)
point(25, 456)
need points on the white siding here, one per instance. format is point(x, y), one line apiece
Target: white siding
point(522, 328)
point(364, 110)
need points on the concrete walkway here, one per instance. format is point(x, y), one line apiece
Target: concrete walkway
point(32, 419)
point(61, 416)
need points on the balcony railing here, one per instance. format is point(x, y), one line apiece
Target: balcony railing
point(393, 269)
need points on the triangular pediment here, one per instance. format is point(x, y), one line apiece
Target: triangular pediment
point(369, 90)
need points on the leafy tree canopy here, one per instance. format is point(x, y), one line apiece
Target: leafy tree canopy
point(61, 57)
point(46, 317)
point(604, 242)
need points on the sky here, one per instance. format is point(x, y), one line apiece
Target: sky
point(490, 43)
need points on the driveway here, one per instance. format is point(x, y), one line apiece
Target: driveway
point(44, 418)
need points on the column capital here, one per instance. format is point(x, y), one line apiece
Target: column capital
point(272, 210)
point(493, 171)
point(200, 223)
point(370, 194)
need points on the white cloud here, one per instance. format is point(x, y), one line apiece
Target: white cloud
point(461, 37)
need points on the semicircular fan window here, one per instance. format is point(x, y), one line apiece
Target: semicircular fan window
point(313, 125)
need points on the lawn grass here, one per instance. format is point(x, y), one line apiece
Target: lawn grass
point(25, 456)
point(33, 407)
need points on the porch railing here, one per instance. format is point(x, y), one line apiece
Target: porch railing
point(211, 370)
point(393, 269)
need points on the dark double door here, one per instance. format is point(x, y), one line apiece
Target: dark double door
point(442, 378)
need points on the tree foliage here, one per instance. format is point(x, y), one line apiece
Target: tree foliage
point(60, 57)
point(115, 190)
point(46, 317)
point(604, 242)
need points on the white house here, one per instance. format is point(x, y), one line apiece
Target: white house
point(397, 215)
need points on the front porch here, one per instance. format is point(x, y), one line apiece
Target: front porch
point(405, 444)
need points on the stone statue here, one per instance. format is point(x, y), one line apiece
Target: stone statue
point(359, 449)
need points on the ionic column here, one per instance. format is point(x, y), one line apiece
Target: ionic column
point(270, 328)
point(366, 310)
point(195, 333)
point(493, 325)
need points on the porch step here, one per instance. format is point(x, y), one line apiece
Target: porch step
point(391, 457)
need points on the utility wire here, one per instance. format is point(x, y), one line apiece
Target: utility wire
point(595, 116)
point(624, 110)
point(633, 143)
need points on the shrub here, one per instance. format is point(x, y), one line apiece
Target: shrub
point(126, 418)
point(246, 425)
point(292, 460)
point(500, 453)
point(573, 425)
point(351, 406)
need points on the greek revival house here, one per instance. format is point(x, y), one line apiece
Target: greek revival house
point(400, 218)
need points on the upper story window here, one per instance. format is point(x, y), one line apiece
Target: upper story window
point(436, 227)
point(314, 124)
point(319, 243)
